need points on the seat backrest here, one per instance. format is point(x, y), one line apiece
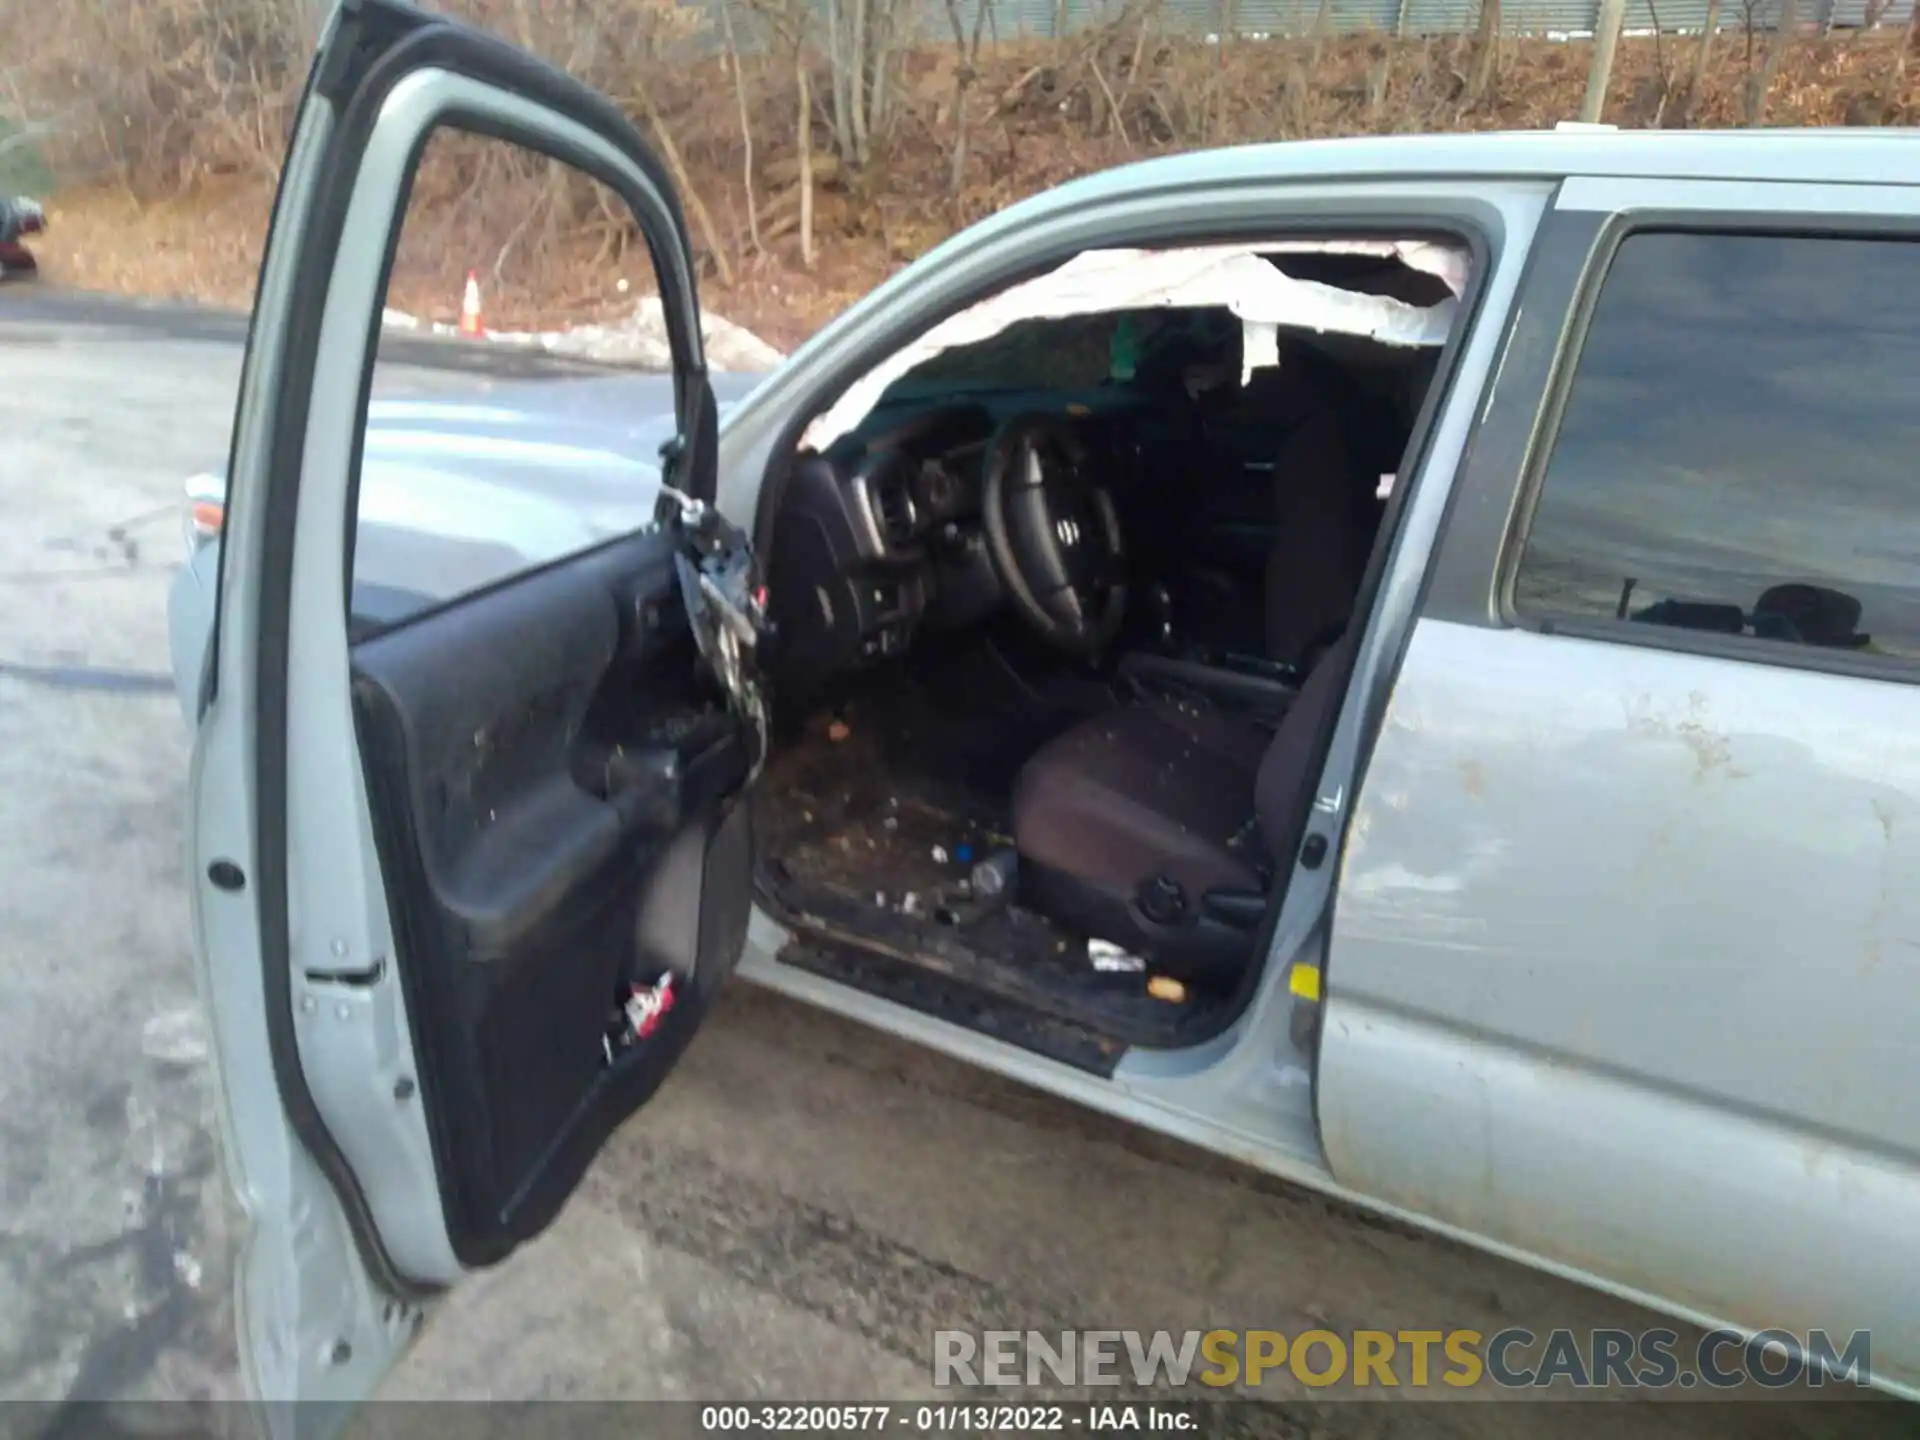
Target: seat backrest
point(1288, 769)
point(1321, 541)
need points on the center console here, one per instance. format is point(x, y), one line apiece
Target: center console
point(1244, 684)
point(1175, 666)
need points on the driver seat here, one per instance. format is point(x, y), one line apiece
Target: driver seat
point(1160, 827)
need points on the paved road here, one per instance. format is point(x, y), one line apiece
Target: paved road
point(803, 1204)
point(115, 1230)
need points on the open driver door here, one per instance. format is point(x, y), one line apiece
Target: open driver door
point(464, 883)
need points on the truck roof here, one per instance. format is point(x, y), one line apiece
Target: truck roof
point(1886, 156)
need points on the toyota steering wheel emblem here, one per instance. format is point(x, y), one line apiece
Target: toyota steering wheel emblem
point(1069, 532)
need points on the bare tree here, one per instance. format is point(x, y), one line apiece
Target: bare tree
point(1486, 60)
point(1216, 81)
point(788, 21)
point(858, 81)
point(1909, 46)
point(746, 119)
point(1749, 42)
point(1112, 112)
point(1606, 39)
point(964, 74)
point(1697, 81)
point(839, 70)
point(803, 137)
point(1379, 79)
point(1662, 80)
point(1148, 11)
point(1760, 82)
point(860, 51)
point(670, 152)
point(1322, 23)
point(885, 37)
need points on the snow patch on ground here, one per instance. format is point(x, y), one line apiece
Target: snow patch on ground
point(639, 340)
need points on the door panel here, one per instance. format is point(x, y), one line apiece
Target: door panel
point(532, 756)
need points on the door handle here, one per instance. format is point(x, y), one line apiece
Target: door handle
point(646, 788)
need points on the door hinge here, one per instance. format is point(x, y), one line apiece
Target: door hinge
point(673, 497)
point(726, 606)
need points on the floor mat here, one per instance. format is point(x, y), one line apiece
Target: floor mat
point(837, 815)
point(864, 847)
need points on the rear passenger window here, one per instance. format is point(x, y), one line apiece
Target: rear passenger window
point(1740, 449)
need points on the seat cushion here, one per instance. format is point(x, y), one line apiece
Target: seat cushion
point(1163, 790)
point(1143, 791)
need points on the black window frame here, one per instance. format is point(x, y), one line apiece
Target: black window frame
point(461, 121)
point(1550, 411)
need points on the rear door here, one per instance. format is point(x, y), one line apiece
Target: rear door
point(1626, 964)
point(468, 854)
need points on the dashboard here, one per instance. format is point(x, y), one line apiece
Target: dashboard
point(880, 537)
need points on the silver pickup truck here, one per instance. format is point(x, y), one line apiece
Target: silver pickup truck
point(1393, 660)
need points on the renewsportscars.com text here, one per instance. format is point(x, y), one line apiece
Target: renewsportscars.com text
point(1516, 1358)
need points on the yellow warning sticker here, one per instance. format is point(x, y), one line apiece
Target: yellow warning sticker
point(1304, 981)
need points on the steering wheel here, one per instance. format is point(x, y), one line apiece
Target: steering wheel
point(1054, 534)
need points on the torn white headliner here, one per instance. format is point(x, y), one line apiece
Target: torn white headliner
point(1234, 276)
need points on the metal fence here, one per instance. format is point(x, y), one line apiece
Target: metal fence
point(1256, 19)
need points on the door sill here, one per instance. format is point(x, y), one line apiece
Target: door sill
point(969, 1008)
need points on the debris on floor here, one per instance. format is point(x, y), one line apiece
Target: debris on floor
point(994, 876)
point(1165, 987)
point(1109, 959)
point(872, 845)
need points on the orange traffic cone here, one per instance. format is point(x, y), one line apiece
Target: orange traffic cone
point(470, 306)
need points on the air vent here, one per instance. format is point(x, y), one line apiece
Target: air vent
point(893, 513)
